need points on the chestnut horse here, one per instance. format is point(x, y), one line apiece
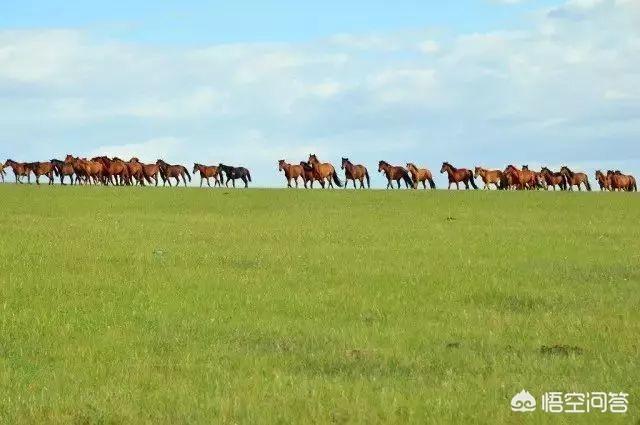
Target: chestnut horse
point(552, 179)
point(309, 176)
point(538, 182)
point(324, 171)
point(420, 175)
point(20, 169)
point(575, 179)
point(134, 171)
point(521, 179)
point(115, 171)
point(207, 172)
point(149, 171)
point(396, 173)
point(603, 180)
point(292, 172)
point(457, 175)
point(167, 172)
point(622, 182)
point(355, 172)
point(43, 169)
point(489, 177)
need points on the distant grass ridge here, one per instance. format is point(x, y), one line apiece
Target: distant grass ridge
point(280, 306)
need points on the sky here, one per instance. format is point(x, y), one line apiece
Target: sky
point(472, 82)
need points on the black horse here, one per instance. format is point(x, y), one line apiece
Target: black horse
point(234, 173)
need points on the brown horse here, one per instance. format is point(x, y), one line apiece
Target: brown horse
point(63, 169)
point(457, 175)
point(552, 179)
point(292, 172)
point(537, 182)
point(489, 177)
point(309, 175)
point(43, 169)
point(395, 173)
point(115, 171)
point(575, 179)
point(168, 172)
point(622, 182)
point(420, 175)
point(604, 181)
point(521, 179)
point(134, 171)
point(324, 171)
point(355, 172)
point(149, 171)
point(20, 169)
point(207, 172)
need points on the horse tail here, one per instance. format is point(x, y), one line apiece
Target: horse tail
point(408, 180)
point(336, 180)
point(586, 183)
point(431, 182)
point(184, 169)
point(471, 179)
point(634, 185)
point(249, 175)
point(366, 175)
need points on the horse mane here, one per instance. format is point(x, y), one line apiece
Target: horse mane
point(384, 163)
point(449, 165)
point(571, 173)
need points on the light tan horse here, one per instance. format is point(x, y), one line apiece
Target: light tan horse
point(324, 171)
point(420, 175)
point(2, 172)
point(489, 177)
point(292, 172)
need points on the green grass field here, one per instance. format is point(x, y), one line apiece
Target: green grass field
point(130, 305)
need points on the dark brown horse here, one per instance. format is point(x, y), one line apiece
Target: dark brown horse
point(355, 172)
point(234, 173)
point(489, 177)
point(207, 172)
point(43, 169)
point(292, 172)
point(622, 182)
point(603, 180)
point(395, 173)
point(309, 176)
point(457, 175)
point(63, 169)
point(575, 179)
point(552, 179)
point(420, 175)
point(167, 172)
point(324, 171)
point(20, 169)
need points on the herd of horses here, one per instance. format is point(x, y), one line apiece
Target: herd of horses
point(117, 172)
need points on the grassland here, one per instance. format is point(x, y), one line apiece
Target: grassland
point(263, 306)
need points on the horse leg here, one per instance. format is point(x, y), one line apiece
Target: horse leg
point(246, 182)
point(233, 183)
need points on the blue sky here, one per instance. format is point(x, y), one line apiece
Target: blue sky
point(486, 82)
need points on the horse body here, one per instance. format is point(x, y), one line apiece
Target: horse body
point(575, 179)
point(20, 169)
point(489, 177)
point(292, 172)
point(63, 169)
point(43, 169)
point(622, 182)
point(309, 175)
point(167, 172)
point(234, 173)
point(420, 175)
point(207, 172)
point(324, 171)
point(521, 179)
point(355, 172)
point(395, 173)
point(552, 179)
point(458, 175)
point(604, 181)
